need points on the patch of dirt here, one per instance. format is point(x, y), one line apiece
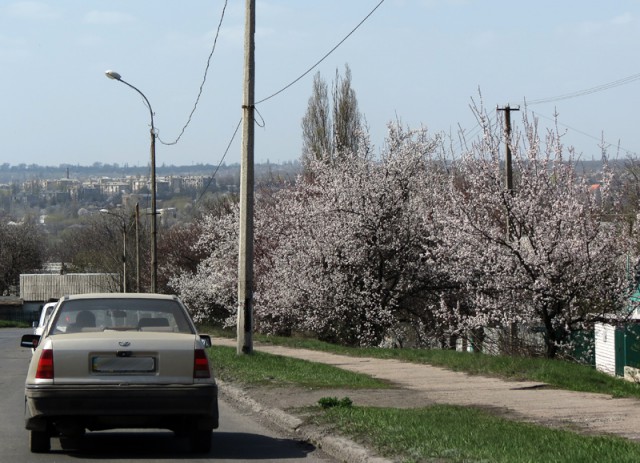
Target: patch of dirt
point(293, 399)
point(290, 398)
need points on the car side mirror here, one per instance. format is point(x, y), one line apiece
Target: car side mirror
point(206, 340)
point(30, 340)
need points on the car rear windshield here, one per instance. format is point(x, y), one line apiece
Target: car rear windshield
point(121, 314)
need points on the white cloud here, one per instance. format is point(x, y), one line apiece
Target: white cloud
point(107, 17)
point(31, 10)
point(588, 28)
point(623, 19)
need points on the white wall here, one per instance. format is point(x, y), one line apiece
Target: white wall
point(605, 337)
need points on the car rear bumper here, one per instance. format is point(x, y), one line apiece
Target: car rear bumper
point(122, 405)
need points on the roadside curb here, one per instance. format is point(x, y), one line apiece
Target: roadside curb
point(340, 448)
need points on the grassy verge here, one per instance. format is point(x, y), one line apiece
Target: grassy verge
point(12, 324)
point(441, 433)
point(556, 373)
point(458, 434)
point(265, 369)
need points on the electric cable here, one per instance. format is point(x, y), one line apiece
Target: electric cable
point(600, 140)
point(588, 91)
point(264, 99)
point(204, 80)
point(324, 57)
point(204, 190)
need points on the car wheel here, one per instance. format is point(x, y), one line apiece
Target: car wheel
point(200, 441)
point(39, 441)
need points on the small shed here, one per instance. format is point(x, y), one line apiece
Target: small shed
point(618, 349)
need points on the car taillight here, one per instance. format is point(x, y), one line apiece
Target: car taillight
point(45, 365)
point(201, 364)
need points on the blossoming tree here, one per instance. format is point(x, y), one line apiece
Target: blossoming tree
point(548, 255)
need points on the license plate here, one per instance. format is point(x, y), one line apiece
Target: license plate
point(123, 364)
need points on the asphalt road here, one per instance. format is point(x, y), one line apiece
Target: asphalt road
point(241, 437)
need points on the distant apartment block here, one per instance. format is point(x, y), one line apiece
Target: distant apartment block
point(99, 188)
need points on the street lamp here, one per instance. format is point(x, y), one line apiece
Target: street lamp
point(154, 247)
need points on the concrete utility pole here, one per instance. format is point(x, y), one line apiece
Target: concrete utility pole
point(245, 258)
point(154, 214)
point(137, 247)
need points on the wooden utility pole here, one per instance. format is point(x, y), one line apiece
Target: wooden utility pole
point(245, 257)
point(507, 143)
point(513, 327)
point(507, 160)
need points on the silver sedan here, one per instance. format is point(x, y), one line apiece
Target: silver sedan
point(107, 361)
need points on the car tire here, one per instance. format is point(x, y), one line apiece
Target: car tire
point(200, 441)
point(39, 441)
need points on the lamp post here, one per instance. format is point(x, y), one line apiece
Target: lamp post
point(154, 247)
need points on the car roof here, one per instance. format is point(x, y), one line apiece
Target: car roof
point(153, 296)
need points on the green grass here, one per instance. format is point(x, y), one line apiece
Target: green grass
point(441, 433)
point(265, 369)
point(459, 434)
point(13, 324)
point(556, 373)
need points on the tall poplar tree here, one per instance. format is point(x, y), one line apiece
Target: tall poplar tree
point(331, 128)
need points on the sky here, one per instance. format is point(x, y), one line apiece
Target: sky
point(420, 62)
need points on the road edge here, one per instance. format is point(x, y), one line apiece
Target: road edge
point(338, 447)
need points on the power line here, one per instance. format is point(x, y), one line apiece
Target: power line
point(323, 58)
point(600, 140)
point(204, 190)
point(204, 80)
point(579, 93)
point(279, 91)
point(588, 91)
point(264, 99)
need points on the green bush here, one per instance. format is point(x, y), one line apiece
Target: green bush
point(330, 402)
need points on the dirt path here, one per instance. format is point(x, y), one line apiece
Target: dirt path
point(420, 385)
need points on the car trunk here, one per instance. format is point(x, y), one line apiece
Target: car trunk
point(123, 357)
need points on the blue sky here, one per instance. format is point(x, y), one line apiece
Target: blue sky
point(417, 61)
